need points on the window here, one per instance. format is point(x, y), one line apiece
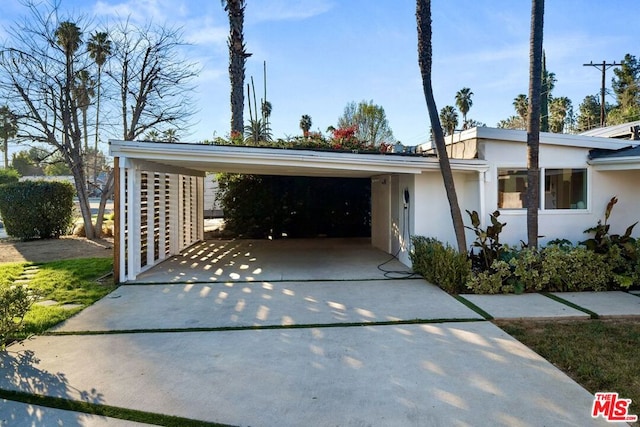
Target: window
point(565, 189)
point(512, 188)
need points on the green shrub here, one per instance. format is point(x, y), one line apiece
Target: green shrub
point(9, 176)
point(441, 265)
point(551, 269)
point(36, 209)
point(497, 279)
point(14, 303)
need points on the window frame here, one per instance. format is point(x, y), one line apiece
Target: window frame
point(542, 179)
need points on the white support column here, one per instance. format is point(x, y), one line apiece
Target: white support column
point(151, 197)
point(193, 210)
point(187, 212)
point(483, 178)
point(200, 211)
point(181, 217)
point(162, 217)
point(174, 207)
point(133, 222)
point(124, 223)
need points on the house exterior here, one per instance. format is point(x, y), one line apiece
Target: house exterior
point(160, 188)
point(579, 175)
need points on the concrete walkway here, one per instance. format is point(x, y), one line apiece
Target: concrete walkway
point(305, 351)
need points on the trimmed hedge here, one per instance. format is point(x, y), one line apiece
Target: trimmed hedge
point(36, 209)
point(441, 265)
point(9, 176)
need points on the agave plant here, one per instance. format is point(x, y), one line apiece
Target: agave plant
point(257, 131)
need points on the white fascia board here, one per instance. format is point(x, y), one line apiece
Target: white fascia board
point(563, 139)
point(214, 154)
point(145, 165)
point(616, 163)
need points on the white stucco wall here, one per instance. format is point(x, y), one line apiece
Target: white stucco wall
point(566, 223)
point(432, 216)
point(392, 221)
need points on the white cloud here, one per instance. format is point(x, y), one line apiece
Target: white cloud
point(140, 11)
point(283, 10)
point(206, 35)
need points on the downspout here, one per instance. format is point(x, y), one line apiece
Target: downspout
point(483, 178)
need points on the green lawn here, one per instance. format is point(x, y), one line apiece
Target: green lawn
point(66, 282)
point(601, 355)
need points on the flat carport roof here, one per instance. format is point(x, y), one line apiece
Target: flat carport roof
point(278, 161)
point(159, 188)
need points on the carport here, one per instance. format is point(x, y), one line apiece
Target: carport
point(159, 192)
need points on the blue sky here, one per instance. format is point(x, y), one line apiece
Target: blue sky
point(322, 54)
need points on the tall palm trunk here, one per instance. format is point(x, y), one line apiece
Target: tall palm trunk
point(533, 126)
point(423, 17)
point(95, 143)
point(237, 59)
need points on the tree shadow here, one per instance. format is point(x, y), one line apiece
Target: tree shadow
point(19, 373)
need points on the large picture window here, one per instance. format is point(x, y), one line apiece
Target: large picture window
point(512, 188)
point(565, 189)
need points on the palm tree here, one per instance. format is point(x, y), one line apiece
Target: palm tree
point(152, 135)
point(83, 92)
point(533, 126)
point(560, 112)
point(99, 48)
point(170, 135)
point(237, 58)
point(305, 124)
point(548, 83)
point(69, 38)
point(521, 104)
point(266, 110)
point(449, 119)
point(8, 130)
point(423, 18)
point(464, 103)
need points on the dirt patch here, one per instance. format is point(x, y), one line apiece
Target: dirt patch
point(55, 249)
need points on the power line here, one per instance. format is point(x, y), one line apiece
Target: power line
point(602, 67)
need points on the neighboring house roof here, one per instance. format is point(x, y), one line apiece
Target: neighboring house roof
point(623, 131)
point(630, 151)
point(627, 158)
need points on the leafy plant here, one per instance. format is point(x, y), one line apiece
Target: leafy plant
point(440, 264)
point(487, 240)
point(15, 301)
point(602, 240)
point(494, 280)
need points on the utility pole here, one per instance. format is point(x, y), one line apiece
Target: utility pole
point(602, 67)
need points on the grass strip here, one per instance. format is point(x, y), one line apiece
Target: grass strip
point(473, 307)
point(556, 298)
point(261, 327)
point(105, 410)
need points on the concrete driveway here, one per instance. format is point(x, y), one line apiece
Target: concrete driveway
point(310, 350)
